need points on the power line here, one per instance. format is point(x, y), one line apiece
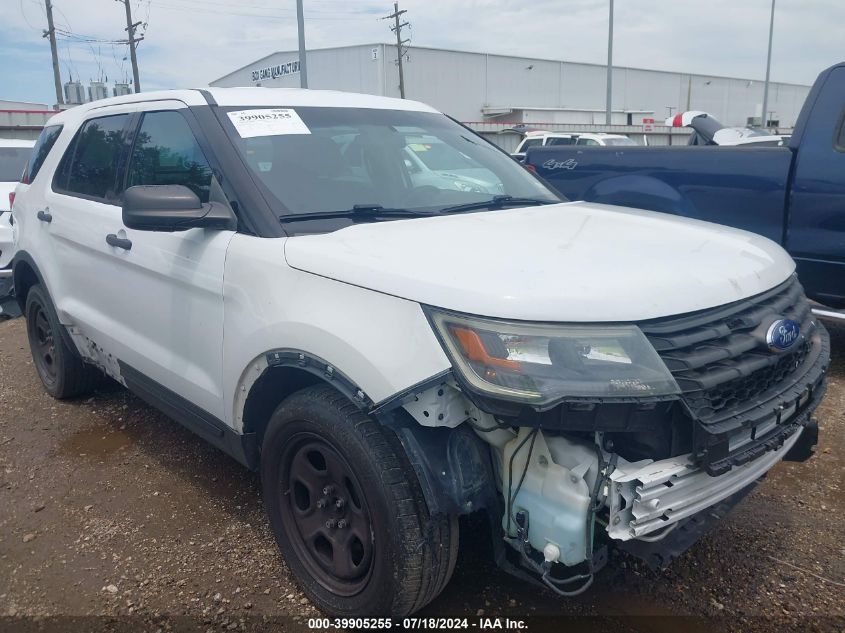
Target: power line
point(26, 19)
point(400, 52)
point(269, 9)
point(327, 16)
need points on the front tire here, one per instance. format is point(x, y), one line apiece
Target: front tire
point(347, 510)
point(60, 368)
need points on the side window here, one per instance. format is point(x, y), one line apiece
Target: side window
point(89, 166)
point(587, 141)
point(560, 140)
point(42, 148)
point(166, 152)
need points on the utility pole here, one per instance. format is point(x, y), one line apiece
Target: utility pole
point(397, 28)
point(130, 29)
point(51, 33)
point(303, 66)
point(768, 66)
point(609, 65)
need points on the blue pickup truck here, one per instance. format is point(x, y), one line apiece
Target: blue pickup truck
point(793, 195)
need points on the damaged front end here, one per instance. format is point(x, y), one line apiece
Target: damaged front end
point(640, 436)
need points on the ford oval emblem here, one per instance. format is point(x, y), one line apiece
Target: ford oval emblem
point(782, 335)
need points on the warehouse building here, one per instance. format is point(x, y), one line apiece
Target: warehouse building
point(489, 89)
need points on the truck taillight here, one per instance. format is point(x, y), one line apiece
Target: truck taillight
point(11, 199)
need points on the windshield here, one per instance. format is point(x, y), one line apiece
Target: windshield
point(319, 160)
point(12, 162)
point(619, 141)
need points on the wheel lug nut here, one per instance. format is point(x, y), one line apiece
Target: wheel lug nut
point(328, 490)
point(342, 523)
point(339, 503)
point(322, 503)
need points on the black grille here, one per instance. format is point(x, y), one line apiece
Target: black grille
point(733, 386)
point(735, 393)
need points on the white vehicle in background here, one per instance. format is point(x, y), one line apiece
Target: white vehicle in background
point(432, 162)
point(13, 156)
point(541, 138)
point(709, 131)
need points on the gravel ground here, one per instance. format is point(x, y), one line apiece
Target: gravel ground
point(109, 509)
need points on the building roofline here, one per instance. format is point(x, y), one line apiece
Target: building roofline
point(296, 52)
point(535, 59)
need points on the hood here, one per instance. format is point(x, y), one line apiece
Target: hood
point(572, 262)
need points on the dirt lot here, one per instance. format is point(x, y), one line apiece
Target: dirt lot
point(109, 509)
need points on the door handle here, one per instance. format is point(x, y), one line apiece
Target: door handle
point(118, 242)
point(44, 216)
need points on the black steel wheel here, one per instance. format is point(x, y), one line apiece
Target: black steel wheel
point(347, 510)
point(42, 344)
point(59, 366)
point(326, 514)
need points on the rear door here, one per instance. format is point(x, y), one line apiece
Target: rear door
point(816, 227)
point(80, 207)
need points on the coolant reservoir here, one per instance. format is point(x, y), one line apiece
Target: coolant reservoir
point(555, 498)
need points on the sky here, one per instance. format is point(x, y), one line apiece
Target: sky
point(188, 43)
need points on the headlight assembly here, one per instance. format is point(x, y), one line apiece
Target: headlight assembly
point(539, 364)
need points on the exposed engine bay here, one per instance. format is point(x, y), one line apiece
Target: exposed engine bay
point(564, 496)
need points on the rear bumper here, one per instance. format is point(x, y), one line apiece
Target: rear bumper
point(651, 497)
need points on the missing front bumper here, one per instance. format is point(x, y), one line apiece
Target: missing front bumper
point(647, 497)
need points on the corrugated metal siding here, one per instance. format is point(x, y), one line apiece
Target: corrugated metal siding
point(462, 83)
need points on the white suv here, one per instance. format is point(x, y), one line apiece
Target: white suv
point(261, 265)
point(14, 154)
point(545, 139)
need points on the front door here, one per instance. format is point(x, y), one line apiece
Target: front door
point(167, 288)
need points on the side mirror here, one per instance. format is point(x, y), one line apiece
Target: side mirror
point(172, 208)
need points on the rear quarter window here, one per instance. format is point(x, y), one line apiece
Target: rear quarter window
point(39, 154)
point(560, 140)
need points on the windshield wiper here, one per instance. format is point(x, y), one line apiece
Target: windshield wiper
point(357, 212)
point(498, 202)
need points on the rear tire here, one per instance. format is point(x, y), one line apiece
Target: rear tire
point(323, 462)
point(59, 366)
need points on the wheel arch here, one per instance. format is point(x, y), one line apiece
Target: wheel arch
point(272, 377)
point(25, 274)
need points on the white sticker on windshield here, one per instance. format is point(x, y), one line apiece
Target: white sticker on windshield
point(267, 122)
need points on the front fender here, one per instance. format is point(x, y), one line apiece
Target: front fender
point(381, 344)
